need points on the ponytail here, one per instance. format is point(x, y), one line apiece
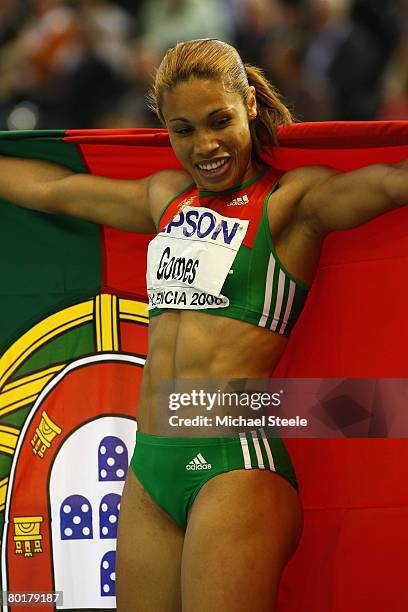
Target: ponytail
point(271, 110)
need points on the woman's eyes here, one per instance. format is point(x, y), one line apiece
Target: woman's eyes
point(221, 122)
point(183, 131)
point(217, 123)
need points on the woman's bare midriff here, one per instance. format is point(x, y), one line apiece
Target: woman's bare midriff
point(200, 346)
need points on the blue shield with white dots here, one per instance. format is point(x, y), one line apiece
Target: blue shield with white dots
point(76, 518)
point(108, 515)
point(108, 575)
point(112, 459)
point(86, 484)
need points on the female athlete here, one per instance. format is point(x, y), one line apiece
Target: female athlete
point(236, 249)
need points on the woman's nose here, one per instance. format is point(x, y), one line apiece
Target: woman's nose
point(205, 144)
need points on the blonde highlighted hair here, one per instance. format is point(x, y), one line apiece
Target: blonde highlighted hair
point(210, 58)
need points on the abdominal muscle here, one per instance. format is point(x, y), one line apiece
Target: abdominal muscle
point(192, 345)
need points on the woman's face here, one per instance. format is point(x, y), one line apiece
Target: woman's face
point(209, 132)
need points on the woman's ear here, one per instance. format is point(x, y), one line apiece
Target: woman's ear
point(251, 103)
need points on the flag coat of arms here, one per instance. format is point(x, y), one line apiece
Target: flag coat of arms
point(73, 341)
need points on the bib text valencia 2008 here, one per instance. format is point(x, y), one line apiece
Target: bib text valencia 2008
point(184, 298)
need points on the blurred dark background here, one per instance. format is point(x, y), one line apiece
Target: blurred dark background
point(89, 63)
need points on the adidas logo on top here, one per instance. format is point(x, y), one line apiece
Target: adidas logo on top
point(198, 463)
point(186, 202)
point(239, 201)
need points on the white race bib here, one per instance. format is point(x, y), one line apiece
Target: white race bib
point(189, 260)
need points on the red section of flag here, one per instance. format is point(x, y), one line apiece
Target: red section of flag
point(133, 338)
point(354, 322)
point(286, 158)
point(123, 253)
point(350, 489)
point(124, 263)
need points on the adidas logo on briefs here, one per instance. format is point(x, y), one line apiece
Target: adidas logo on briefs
point(239, 201)
point(198, 463)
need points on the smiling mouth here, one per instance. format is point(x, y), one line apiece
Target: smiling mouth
point(215, 167)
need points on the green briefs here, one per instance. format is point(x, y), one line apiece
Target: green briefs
point(173, 470)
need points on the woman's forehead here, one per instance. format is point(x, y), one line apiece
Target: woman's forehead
point(198, 97)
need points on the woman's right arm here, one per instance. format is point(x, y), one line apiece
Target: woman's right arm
point(129, 205)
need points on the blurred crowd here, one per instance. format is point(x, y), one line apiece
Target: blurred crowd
point(89, 63)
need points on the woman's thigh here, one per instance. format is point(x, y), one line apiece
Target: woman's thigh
point(243, 527)
point(149, 552)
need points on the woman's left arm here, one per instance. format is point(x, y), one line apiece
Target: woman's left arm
point(336, 201)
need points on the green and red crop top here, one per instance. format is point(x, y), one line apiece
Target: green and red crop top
point(213, 252)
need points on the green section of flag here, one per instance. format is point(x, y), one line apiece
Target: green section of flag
point(17, 418)
point(5, 467)
point(67, 347)
point(47, 262)
point(46, 144)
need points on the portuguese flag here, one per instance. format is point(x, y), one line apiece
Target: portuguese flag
point(73, 341)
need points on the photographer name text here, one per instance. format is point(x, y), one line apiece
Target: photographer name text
point(237, 421)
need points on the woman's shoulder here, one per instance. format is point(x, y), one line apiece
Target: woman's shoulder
point(171, 180)
point(306, 176)
point(295, 185)
point(164, 185)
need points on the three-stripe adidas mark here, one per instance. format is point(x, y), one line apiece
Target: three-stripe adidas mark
point(198, 463)
point(258, 441)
